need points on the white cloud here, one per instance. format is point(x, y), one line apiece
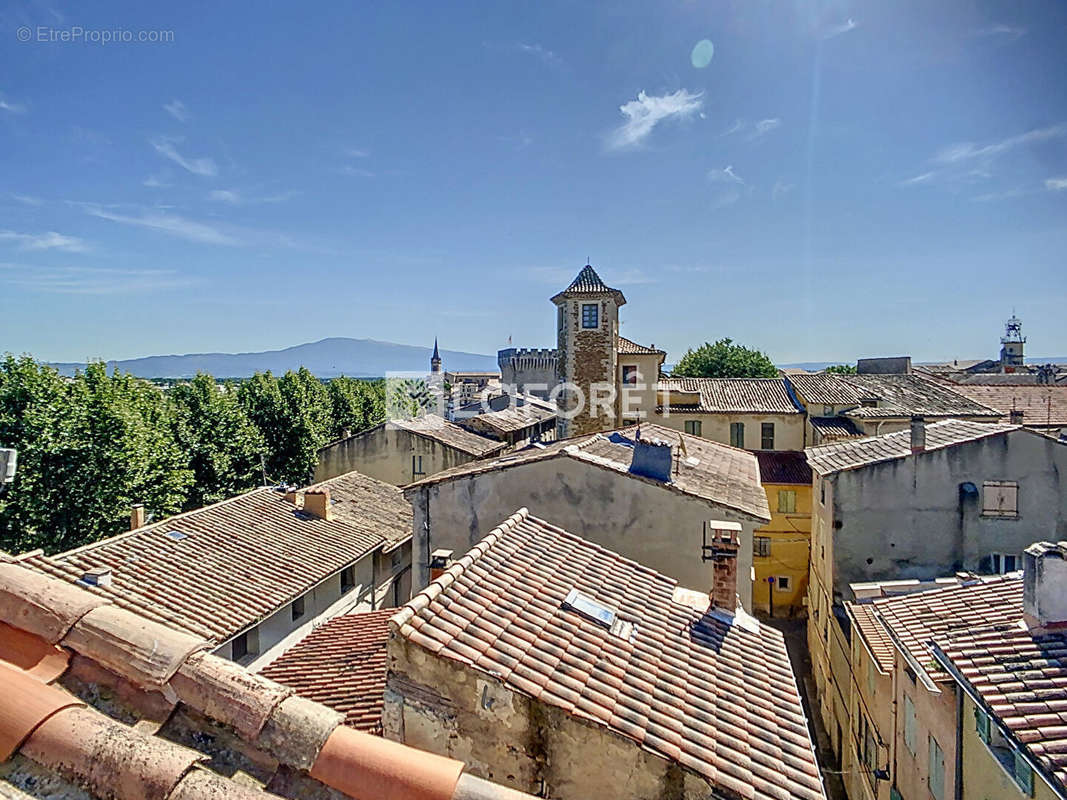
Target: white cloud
point(725, 175)
point(197, 166)
point(726, 199)
point(45, 241)
point(168, 223)
point(647, 111)
point(226, 196)
point(1056, 184)
point(1001, 31)
point(737, 127)
point(90, 280)
point(156, 181)
point(27, 199)
point(781, 189)
point(235, 197)
point(548, 57)
point(13, 108)
point(356, 171)
point(177, 109)
point(925, 177)
point(966, 151)
point(355, 152)
point(765, 126)
point(836, 30)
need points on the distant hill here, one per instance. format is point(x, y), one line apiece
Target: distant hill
point(327, 358)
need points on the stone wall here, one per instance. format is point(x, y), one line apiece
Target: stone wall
point(529, 370)
point(386, 453)
point(588, 357)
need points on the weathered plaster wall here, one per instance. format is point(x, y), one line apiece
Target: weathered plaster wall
point(788, 428)
point(935, 715)
point(872, 697)
point(444, 707)
point(385, 453)
point(640, 399)
point(641, 520)
point(905, 518)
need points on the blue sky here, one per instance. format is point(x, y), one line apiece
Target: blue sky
point(841, 179)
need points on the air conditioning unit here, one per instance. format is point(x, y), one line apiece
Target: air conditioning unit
point(8, 461)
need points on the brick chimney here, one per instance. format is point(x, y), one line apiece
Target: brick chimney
point(1045, 586)
point(724, 546)
point(1016, 416)
point(137, 516)
point(918, 435)
point(317, 503)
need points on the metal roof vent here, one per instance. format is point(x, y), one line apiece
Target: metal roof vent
point(176, 535)
point(97, 576)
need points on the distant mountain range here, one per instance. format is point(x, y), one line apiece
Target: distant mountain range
point(815, 366)
point(327, 358)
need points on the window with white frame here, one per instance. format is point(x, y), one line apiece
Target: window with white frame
point(1000, 499)
point(1003, 563)
point(590, 315)
point(783, 583)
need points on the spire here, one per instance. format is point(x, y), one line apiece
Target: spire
point(435, 359)
point(589, 283)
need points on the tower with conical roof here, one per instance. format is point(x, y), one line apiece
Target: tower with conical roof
point(587, 331)
point(435, 359)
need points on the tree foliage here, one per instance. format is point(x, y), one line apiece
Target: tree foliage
point(841, 369)
point(724, 359)
point(93, 445)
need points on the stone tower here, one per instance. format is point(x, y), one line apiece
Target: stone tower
point(587, 330)
point(435, 359)
point(1011, 346)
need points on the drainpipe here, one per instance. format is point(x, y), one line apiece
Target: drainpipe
point(958, 777)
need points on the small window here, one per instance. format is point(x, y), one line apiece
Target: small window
point(416, 466)
point(244, 645)
point(761, 546)
point(869, 402)
point(590, 315)
point(827, 411)
point(767, 436)
point(1000, 499)
point(1003, 563)
point(910, 734)
point(822, 491)
point(936, 774)
point(981, 724)
point(783, 583)
point(348, 579)
point(629, 375)
point(737, 434)
point(787, 501)
point(693, 427)
point(298, 608)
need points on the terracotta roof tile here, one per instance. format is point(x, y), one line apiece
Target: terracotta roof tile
point(783, 466)
point(509, 420)
point(626, 347)
point(706, 690)
point(449, 433)
point(588, 282)
point(342, 665)
point(716, 472)
point(1041, 405)
point(896, 395)
point(727, 396)
point(827, 459)
point(873, 634)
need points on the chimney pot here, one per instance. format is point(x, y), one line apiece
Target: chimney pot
point(725, 542)
point(1045, 586)
point(137, 516)
point(918, 434)
point(317, 503)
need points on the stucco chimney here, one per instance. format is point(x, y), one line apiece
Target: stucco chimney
point(1045, 586)
point(317, 503)
point(918, 434)
point(137, 516)
point(1016, 416)
point(724, 547)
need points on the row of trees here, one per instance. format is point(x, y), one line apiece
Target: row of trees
point(93, 445)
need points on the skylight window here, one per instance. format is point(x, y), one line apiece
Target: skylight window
point(590, 608)
point(176, 535)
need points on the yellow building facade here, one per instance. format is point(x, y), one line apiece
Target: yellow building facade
point(781, 549)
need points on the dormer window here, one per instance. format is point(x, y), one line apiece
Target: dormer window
point(590, 315)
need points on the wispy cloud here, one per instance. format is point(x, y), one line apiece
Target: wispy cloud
point(781, 189)
point(737, 127)
point(45, 241)
point(198, 166)
point(1056, 184)
point(725, 175)
point(27, 199)
point(925, 177)
point(90, 280)
point(548, 57)
point(13, 108)
point(724, 199)
point(171, 224)
point(647, 111)
point(356, 152)
point(177, 109)
point(967, 151)
point(235, 197)
point(844, 27)
point(357, 172)
point(765, 126)
point(156, 181)
point(1001, 31)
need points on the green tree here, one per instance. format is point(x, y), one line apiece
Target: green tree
point(724, 359)
point(841, 369)
point(355, 405)
point(221, 445)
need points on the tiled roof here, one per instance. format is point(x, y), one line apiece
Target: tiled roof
point(370, 505)
point(701, 689)
point(731, 395)
point(854, 453)
point(914, 620)
point(588, 283)
point(723, 475)
point(874, 634)
point(1022, 679)
point(341, 664)
point(441, 430)
point(833, 428)
point(98, 702)
point(238, 561)
point(1041, 405)
point(511, 419)
point(897, 395)
point(627, 347)
point(783, 466)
